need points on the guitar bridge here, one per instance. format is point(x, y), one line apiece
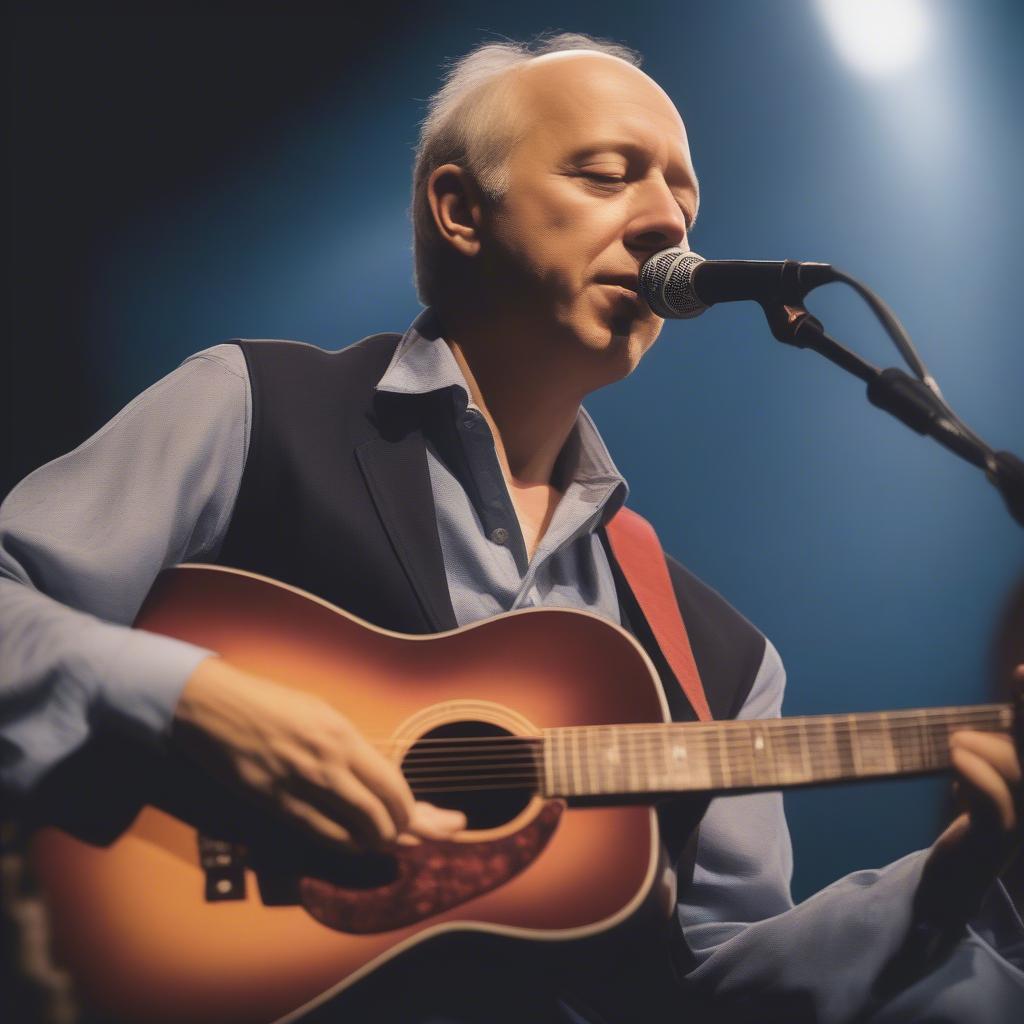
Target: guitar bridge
point(223, 864)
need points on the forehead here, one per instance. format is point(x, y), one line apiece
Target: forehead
point(568, 100)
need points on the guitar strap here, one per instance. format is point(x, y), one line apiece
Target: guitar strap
point(638, 551)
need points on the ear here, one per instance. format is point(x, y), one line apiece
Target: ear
point(457, 205)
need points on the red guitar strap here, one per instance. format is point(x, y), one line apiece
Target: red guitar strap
point(638, 551)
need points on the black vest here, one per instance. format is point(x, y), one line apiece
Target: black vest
point(336, 499)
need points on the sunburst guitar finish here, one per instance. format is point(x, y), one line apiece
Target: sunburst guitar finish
point(547, 727)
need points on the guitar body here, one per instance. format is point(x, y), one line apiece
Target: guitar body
point(131, 919)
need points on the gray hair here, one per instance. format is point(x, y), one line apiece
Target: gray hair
point(468, 123)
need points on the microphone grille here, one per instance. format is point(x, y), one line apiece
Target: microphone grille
point(667, 285)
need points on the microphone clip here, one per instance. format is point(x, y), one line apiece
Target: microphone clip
point(791, 323)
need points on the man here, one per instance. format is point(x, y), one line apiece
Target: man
point(544, 179)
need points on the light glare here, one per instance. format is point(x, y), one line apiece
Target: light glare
point(877, 37)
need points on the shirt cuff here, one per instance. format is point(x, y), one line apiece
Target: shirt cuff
point(999, 925)
point(141, 683)
point(929, 949)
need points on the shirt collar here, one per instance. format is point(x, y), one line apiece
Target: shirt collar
point(423, 363)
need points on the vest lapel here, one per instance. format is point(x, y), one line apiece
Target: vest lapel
point(399, 482)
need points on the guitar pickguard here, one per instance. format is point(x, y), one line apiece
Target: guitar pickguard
point(431, 877)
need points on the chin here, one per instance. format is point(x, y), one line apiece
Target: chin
point(633, 332)
point(627, 350)
point(608, 342)
point(619, 347)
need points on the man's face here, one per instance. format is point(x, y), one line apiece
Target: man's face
point(600, 180)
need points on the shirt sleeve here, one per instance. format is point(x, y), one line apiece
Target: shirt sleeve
point(759, 958)
point(81, 541)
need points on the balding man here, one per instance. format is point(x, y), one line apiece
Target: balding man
point(431, 480)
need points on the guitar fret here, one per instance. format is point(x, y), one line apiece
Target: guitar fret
point(922, 755)
point(939, 745)
point(923, 739)
point(805, 753)
point(785, 742)
point(854, 738)
point(712, 759)
point(617, 761)
point(875, 749)
point(747, 759)
point(549, 764)
point(886, 733)
point(678, 770)
point(936, 742)
point(767, 771)
point(906, 740)
point(591, 762)
point(632, 775)
point(563, 764)
point(844, 747)
point(723, 759)
point(735, 762)
point(905, 744)
point(644, 764)
point(657, 779)
point(824, 750)
point(577, 768)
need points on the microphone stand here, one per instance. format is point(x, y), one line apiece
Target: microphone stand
point(910, 400)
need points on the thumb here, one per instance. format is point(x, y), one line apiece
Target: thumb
point(430, 822)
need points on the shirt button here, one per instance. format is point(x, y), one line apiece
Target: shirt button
point(499, 535)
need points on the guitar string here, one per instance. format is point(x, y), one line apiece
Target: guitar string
point(737, 774)
point(732, 750)
point(936, 756)
point(791, 743)
point(824, 771)
point(484, 751)
point(698, 775)
point(884, 720)
point(836, 732)
point(639, 740)
point(532, 784)
point(737, 759)
point(823, 758)
point(687, 729)
point(664, 782)
point(738, 769)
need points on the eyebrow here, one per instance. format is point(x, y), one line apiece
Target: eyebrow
point(634, 150)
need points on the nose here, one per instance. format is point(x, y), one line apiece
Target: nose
point(657, 221)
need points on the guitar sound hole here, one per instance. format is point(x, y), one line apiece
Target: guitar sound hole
point(474, 767)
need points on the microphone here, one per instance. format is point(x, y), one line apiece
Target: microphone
point(678, 284)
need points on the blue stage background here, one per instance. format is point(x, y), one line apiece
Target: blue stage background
point(878, 563)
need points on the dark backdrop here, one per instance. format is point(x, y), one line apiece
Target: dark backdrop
point(186, 178)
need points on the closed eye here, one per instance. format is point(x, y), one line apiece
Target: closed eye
point(614, 182)
point(603, 182)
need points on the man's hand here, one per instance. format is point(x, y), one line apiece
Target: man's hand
point(982, 841)
point(300, 756)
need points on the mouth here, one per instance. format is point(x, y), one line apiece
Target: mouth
point(627, 282)
point(624, 291)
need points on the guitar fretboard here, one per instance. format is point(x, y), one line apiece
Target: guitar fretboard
point(619, 760)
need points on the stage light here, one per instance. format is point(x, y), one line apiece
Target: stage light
point(877, 37)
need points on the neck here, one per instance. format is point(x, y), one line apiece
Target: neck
point(616, 761)
point(523, 396)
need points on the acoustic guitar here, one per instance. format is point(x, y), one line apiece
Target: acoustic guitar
point(547, 727)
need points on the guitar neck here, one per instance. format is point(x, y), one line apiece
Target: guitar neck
point(742, 756)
